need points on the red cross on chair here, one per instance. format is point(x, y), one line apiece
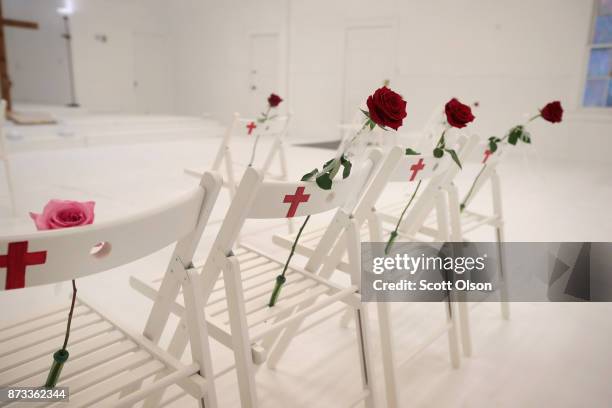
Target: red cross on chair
point(16, 261)
point(251, 126)
point(486, 155)
point(295, 200)
point(415, 168)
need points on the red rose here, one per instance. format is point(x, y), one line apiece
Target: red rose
point(274, 100)
point(457, 114)
point(386, 108)
point(552, 112)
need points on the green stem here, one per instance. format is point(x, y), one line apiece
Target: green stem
point(346, 147)
point(394, 233)
point(441, 140)
point(74, 292)
point(61, 355)
point(534, 117)
point(280, 279)
point(467, 197)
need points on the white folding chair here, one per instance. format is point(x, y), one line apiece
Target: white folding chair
point(397, 168)
point(108, 361)
point(224, 162)
point(237, 310)
point(5, 161)
point(463, 221)
point(421, 223)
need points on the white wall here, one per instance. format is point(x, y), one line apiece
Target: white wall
point(211, 51)
point(511, 56)
point(110, 55)
point(104, 50)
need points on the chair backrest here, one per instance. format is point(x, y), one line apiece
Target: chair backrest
point(425, 202)
point(58, 255)
point(243, 127)
point(277, 126)
point(482, 154)
point(259, 199)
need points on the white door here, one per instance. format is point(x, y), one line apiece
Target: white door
point(264, 70)
point(369, 61)
point(152, 88)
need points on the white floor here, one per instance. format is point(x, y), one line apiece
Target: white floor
point(546, 355)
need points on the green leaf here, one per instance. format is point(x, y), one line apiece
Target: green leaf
point(347, 167)
point(365, 113)
point(455, 157)
point(310, 175)
point(437, 152)
point(526, 137)
point(410, 152)
point(324, 181)
point(261, 120)
point(492, 146)
point(372, 124)
point(515, 134)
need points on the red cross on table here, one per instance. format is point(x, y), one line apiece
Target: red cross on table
point(16, 261)
point(415, 168)
point(251, 126)
point(486, 155)
point(295, 200)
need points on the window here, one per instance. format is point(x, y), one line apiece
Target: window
point(598, 87)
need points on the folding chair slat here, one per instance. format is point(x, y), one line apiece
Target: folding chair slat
point(16, 344)
point(23, 372)
point(51, 345)
point(115, 383)
point(257, 298)
point(39, 322)
point(253, 278)
point(268, 313)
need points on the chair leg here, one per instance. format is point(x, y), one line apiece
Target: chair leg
point(505, 306)
point(240, 335)
point(453, 338)
point(498, 210)
point(464, 323)
point(269, 341)
point(388, 360)
point(177, 347)
point(456, 235)
point(281, 346)
point(363, 347)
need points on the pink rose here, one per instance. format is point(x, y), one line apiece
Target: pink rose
point(64, 214)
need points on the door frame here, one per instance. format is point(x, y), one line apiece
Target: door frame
point(392, 24)
point(279, 55)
